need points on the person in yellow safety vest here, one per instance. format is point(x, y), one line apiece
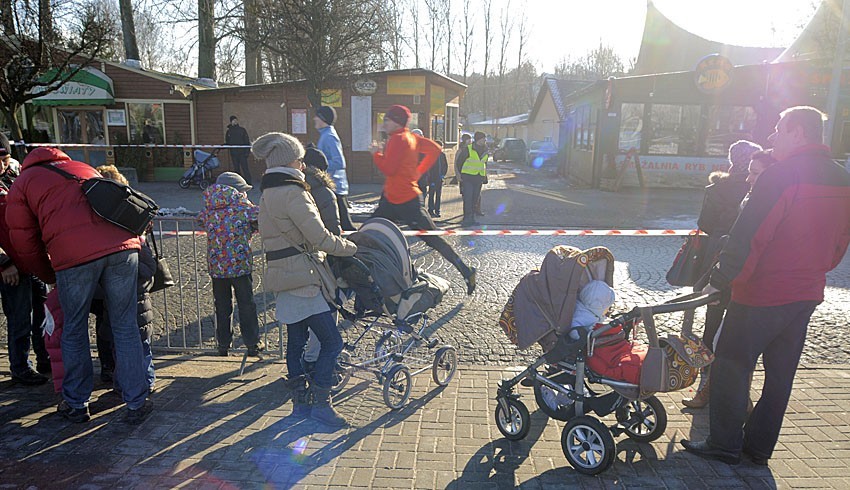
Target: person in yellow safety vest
point(473, 172)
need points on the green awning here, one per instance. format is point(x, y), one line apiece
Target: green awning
point(88, 86)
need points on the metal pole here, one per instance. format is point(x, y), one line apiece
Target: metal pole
point(837, 68)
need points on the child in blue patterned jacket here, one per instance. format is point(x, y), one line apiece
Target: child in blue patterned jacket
point(228, 218)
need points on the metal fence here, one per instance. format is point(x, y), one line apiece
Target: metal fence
point(186, 320)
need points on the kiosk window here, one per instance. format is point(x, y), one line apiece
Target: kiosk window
point(147, 123)
point(631, 126)
point(673, 129)
point(726, 125)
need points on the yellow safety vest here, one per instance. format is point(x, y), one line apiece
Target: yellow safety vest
point(474, 165)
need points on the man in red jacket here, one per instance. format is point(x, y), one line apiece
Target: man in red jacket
point(59, 238)
point(401, 201)
point(794, 228)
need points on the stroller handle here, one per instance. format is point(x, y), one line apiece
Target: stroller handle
point(686, 302)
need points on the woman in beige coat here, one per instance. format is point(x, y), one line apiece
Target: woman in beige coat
point(296, 243)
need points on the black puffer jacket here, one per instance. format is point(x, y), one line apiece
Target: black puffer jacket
point(722, 202)
point(322, 189)
point(144, 307)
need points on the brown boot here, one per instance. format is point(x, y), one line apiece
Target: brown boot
point(700, 398)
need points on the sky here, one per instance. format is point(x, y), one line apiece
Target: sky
point(562, 27)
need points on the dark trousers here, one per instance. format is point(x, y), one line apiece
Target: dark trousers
point(243, 288)
point(412, 214)
point(325, 329)
point(240, 163)
point(344, 218)
point(777, 333)
point(435, 196)
point(23, 305)
point(471, 195)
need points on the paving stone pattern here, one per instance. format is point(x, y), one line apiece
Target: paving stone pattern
point(214, 429)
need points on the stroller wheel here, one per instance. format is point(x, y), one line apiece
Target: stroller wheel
point(203, 184)
point(516, 424)
point(397, 387)
point(643, 420)
point(445, 365)
point(184, 183)
point(389, 343)
point(554, 403)
point(342, 372)
point(588, 445)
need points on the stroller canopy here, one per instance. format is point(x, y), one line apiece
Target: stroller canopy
point(542, 305)
point(383, 248)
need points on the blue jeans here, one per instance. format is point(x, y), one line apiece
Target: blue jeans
point(116, 274)
point(324, 328)
point(17, 306)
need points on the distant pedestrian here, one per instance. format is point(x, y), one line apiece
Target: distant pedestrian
point(330, 145)
point(238, 136)
point(472, 160)
point(228, 218)
point(794, 228)
point(435, 177)
point(60, 239)
point(720, 207)
point(297, 244)
point(401, 200)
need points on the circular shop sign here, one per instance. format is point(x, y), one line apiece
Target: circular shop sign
point(713, 74)
point(365, 86)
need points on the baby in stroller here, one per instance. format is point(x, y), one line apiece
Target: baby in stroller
point(562, 307)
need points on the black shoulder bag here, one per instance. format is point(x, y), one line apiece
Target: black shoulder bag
point(117, 203)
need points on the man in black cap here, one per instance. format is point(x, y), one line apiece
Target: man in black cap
point(331, 146)
point(238, 136)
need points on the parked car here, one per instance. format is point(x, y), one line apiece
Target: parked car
point(510, 149)
point(540, 152)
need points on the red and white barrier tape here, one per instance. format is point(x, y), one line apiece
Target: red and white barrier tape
point(505, 233)
point(105, 147)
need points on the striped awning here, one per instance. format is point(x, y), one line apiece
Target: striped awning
point(88, 86)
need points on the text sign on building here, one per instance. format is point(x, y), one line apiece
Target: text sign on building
point(366, 86)
point(438, 100)
point(401, 85)
point(713, 74)
point(332, 97)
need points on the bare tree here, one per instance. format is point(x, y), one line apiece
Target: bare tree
point(38, 60)
point(450, 23)
point(466, 41)
point(206, 39)
point(506, 26)
point(393, 15)
point(597, 64)
point(488, 39)
point(414, 17)
point(253, 65)
point(128, 30)
point(323, 40)
point(436, 29)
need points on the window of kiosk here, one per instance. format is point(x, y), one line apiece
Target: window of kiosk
point(146, 123)
point(631, 127)
point(673, 129)
point(82, 127)
point(726, 125)
point(438, 128)
point(40, 127)
point(451, 123)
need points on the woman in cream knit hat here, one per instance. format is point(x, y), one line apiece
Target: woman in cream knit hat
point(296, 244)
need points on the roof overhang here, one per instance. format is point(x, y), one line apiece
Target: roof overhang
point(88, 86)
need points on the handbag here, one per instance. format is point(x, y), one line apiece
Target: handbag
point(686, 267)
point(115, 202)
point(162, 278)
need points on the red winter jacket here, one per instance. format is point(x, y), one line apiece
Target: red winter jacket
point(400, 163)
point(794, 229)
point(48, 214)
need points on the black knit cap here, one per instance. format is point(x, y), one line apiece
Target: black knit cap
point(232, 118)
point(313, 157)
point(327, 114)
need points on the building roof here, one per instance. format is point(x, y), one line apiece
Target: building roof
point(817, 41)
point(666, 47)
point(181, 82)
point(560, 90)
point(516, 120)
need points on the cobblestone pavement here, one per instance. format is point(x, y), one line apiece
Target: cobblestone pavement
point(212, 429)
point(515, 198)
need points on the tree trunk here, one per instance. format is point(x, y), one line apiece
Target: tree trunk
point(10, 113)
point(206, 39)
point(252, 53)
point(8, 17)
point(128, 30)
